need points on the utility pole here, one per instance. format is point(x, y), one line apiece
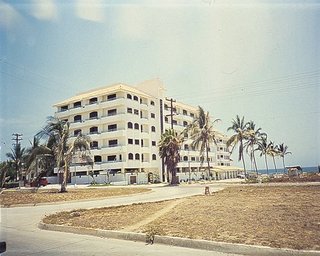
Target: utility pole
point(17, 138)
point(171, 110)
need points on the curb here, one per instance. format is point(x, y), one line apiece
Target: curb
point(70, 201)
point(182, 242)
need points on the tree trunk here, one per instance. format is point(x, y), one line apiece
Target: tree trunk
point(275, 167)
point(255, 163)
point(265, 158)
point(244, 165)
point(65, 177)
point(209, 172)
point(284, 166)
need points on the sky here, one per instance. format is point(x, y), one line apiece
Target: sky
point(257, 59)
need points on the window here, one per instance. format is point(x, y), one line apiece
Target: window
point(112, 112)
point(93, 100)
point(154, 157)
point(153, 143)
point(185, 123)
point(112, 97)
point(130, 156)
point(77, 132)
point(77, 119)
point(191, 114)
point(193, 158)
point(184, 112)
point(129, 96)
point(64, 108)
point(94, 144)
point(135, 98)
point(153, 115)
point(137, 156)
point(113, 143)
point(93, 130)
point(185, 158)
point(130, 125)
point(186, 147)
point(141, 142)
point(112, 158)
point(152, 103)
point(136, 112)
point(77, 104)
point(174, 122)
point(97, 159)
point(166, 119)
point(93, 115)
point(129, 110)
point(136, 142)
point(112, 127)
point(136, 126)
point(166, 107)
point(130, 141)
point(153, 129)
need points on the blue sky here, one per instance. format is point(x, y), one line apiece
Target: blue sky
point(257, 59)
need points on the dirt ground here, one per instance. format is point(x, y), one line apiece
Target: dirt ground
point(277, 216)
point(13, 197)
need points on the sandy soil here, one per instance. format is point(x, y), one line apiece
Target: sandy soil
point(12, 197)
point(276, 216)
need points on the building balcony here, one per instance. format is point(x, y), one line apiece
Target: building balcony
point(114, 133)
point(119, 101)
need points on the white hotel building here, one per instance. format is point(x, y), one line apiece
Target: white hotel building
point(125, 124)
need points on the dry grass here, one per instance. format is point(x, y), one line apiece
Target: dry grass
point(276, 216)
point(111, 218)
point(284, 216)
point(13, 197)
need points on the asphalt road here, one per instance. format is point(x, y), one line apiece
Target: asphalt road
point(19, 229)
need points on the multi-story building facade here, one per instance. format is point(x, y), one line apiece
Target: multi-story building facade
point(125, 124)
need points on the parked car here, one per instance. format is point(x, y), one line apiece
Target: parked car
point(43, 181)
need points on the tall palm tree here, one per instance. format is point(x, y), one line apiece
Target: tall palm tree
point(282, 152)
point(57, 132)
point(239, 127)
point(17, 156)
point(203, 135)
point(253, 136)
point(273, 152)
point(263, 148)
point(169, 147)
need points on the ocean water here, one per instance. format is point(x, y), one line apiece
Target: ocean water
point(280, 170)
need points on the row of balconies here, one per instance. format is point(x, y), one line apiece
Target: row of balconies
point(119, 96)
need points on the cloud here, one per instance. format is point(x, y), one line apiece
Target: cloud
point(90, 10)
point(44, 9)
point(8, 15)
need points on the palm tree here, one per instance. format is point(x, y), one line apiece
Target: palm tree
point(239, 127)
point(17, 156)
point(169, 147)
point(273, 152)
point(203, 135)
point(282, 152)
point(263, 148)
point(253, 136)
point(57, 132)
point(38, 156)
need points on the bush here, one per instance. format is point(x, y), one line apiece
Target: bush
point(11, 185)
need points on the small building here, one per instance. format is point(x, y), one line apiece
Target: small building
point(294, 171)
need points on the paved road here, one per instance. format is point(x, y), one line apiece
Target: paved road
point(19, 228)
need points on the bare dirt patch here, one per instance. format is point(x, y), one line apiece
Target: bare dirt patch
point(277, 216)
point(14, 197)
point(111, 218)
